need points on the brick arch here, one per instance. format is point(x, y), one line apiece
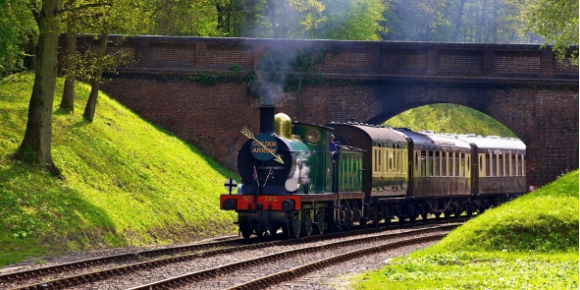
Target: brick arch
point(479, 100)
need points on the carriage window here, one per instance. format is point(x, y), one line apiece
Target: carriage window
point(423, 163)
point(437, 163)
point(429, 163)
point(493, 165)
point(468, 165)
point(487, 164)
point(381, 165)
point(398, 161)
point(444, 171)
point(390, 156)
point(416, 161)
point(405, 163)
point(376, 160)
point(500, 165)
point(462, 164)
point(513, 165)
point(456, 164)
point(480, 163)
point(450, 163)
point(522, 166)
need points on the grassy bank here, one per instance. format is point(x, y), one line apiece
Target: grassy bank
point(128, 182)
point(528, 243)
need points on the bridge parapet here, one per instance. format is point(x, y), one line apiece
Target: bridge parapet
point(356, 60)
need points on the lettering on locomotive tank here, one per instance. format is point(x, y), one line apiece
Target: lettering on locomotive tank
point(264, 147)
point(270, 199)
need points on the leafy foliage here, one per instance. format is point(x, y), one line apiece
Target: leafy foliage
point(150, 188)
point(351, 20)
point(18, 32)
point(556, 21)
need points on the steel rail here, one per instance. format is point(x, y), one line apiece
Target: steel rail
point(99, 261)
point(85, 278)
point(276, 278)
point(228, 268)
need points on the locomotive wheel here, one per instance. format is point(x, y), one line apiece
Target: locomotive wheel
point(270, 224)
point(376, 218)
point(363, 222)
point(246, 230)
point(307, 218)
point(296, 224)
point(447, 214)
point(469, 213)
point(320, 221)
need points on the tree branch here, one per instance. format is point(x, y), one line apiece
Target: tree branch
point(83, 7)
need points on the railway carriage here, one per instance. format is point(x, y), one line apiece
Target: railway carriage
point(498, 167)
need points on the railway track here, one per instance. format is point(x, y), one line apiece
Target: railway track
point(80, 274)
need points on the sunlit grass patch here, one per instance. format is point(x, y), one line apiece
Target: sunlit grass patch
point(482, 271)
point(127, 182)
point(528, 243)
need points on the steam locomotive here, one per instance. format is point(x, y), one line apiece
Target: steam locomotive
point(293, 182)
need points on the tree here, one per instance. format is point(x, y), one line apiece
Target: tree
point(417, 20)
point(97, 60)
point(17, 30)
point(556, 21)
point(351, 20)
point(70, 61)
point(36, 144)
point(458, 20)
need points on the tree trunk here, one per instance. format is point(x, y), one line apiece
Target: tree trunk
point(495, 20)
point(458, 21)
point(36, 144)
point(68, 96)
point(89, 113)
point(480, 29)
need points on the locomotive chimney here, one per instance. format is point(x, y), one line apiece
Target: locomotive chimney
point(267, 119)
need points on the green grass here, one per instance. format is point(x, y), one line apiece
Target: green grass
point(449, 118)
point(127, 182)
point(528, 243)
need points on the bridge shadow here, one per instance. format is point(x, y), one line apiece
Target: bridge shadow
point(46, 217)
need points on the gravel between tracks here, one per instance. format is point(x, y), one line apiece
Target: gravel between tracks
point(337, 276)
point(226, 280)
point(316, 280)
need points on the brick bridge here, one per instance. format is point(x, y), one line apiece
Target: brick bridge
point(521, 86)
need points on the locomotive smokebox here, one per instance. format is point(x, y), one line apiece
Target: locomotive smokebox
point(267, 119)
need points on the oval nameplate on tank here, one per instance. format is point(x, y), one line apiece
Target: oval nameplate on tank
point(264, 147)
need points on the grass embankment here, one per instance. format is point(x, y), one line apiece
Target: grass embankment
point(528, 243)
point(127, 182)
point(449, 118)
